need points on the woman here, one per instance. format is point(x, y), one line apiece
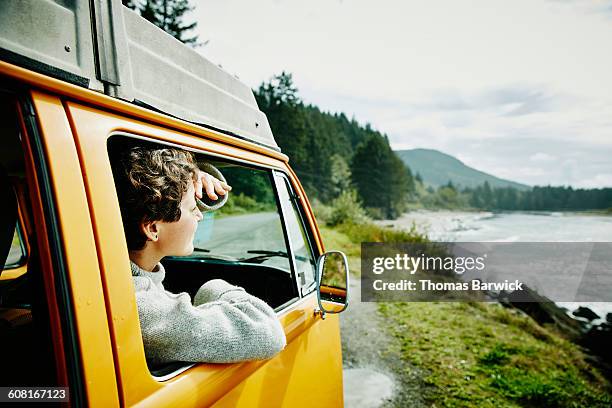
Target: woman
point(157, 190)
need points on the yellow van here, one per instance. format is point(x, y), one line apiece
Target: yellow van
point(79, 82)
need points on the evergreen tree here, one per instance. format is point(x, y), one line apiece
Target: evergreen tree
point(380, 176)
point(279, 100)
point(418, 178)
point(129, 4)
point(487, 195)
point(368, 171)
point(308, 136)
point(476, 198)
point(340, 175)
point(539, 198)
point(410, 184)
point(400, 181)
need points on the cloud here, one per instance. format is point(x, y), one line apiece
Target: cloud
point(599, 180)
point(603, 7)
point(528, 101)
point(506, 85)
point(510, 100)
point(535, 158)
point(452, 108)
point(542, 157)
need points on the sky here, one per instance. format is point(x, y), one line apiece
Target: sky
point(520, 89)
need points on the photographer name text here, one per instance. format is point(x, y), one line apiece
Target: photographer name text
point(428, 285)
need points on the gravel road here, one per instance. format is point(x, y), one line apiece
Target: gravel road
point(374, 374)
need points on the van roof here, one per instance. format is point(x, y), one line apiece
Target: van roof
point(106, 47)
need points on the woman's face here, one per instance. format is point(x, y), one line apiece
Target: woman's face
point(176, 238)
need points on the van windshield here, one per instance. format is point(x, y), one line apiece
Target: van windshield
point(248, 228)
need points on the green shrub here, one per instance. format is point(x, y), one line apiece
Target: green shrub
point(499, 355)
point(242, 204)
point(347, 209)
point(322, 212)
point(375, 213)
point(553, 389)
point(370, 232)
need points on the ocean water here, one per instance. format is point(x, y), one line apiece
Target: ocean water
point(456, 226)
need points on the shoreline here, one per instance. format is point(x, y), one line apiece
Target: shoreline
point(445, 225)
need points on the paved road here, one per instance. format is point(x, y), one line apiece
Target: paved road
point(238, 233)
point(14, 255)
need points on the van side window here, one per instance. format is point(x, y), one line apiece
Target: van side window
point(300, 244)
point(17, 253)
point(242, 242)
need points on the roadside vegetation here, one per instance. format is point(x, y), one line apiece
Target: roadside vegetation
point(474, 354)
point(485, 355)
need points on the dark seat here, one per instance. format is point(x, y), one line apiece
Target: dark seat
point(16, 328)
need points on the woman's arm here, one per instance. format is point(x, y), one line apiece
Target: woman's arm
point(234, 327)
point(218, 289)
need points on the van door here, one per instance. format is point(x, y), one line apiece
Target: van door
point(307, 372)
point(52, 297)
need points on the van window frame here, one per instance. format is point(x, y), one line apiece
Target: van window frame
point(247, 163)
point(296, 201)
point(35, 156)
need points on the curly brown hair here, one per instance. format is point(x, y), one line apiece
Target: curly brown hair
point(151, 185)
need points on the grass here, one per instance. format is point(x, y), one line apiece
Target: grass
point(334, 239)
point(479, 354)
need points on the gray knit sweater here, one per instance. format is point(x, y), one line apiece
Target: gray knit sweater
point(223, 325)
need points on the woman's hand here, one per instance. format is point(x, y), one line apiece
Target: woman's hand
point(211, 185)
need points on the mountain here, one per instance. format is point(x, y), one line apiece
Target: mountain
point(437, 168)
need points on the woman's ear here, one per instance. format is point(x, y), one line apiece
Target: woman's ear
point(151, 231)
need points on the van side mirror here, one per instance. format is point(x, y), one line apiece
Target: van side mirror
point(332, 283)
